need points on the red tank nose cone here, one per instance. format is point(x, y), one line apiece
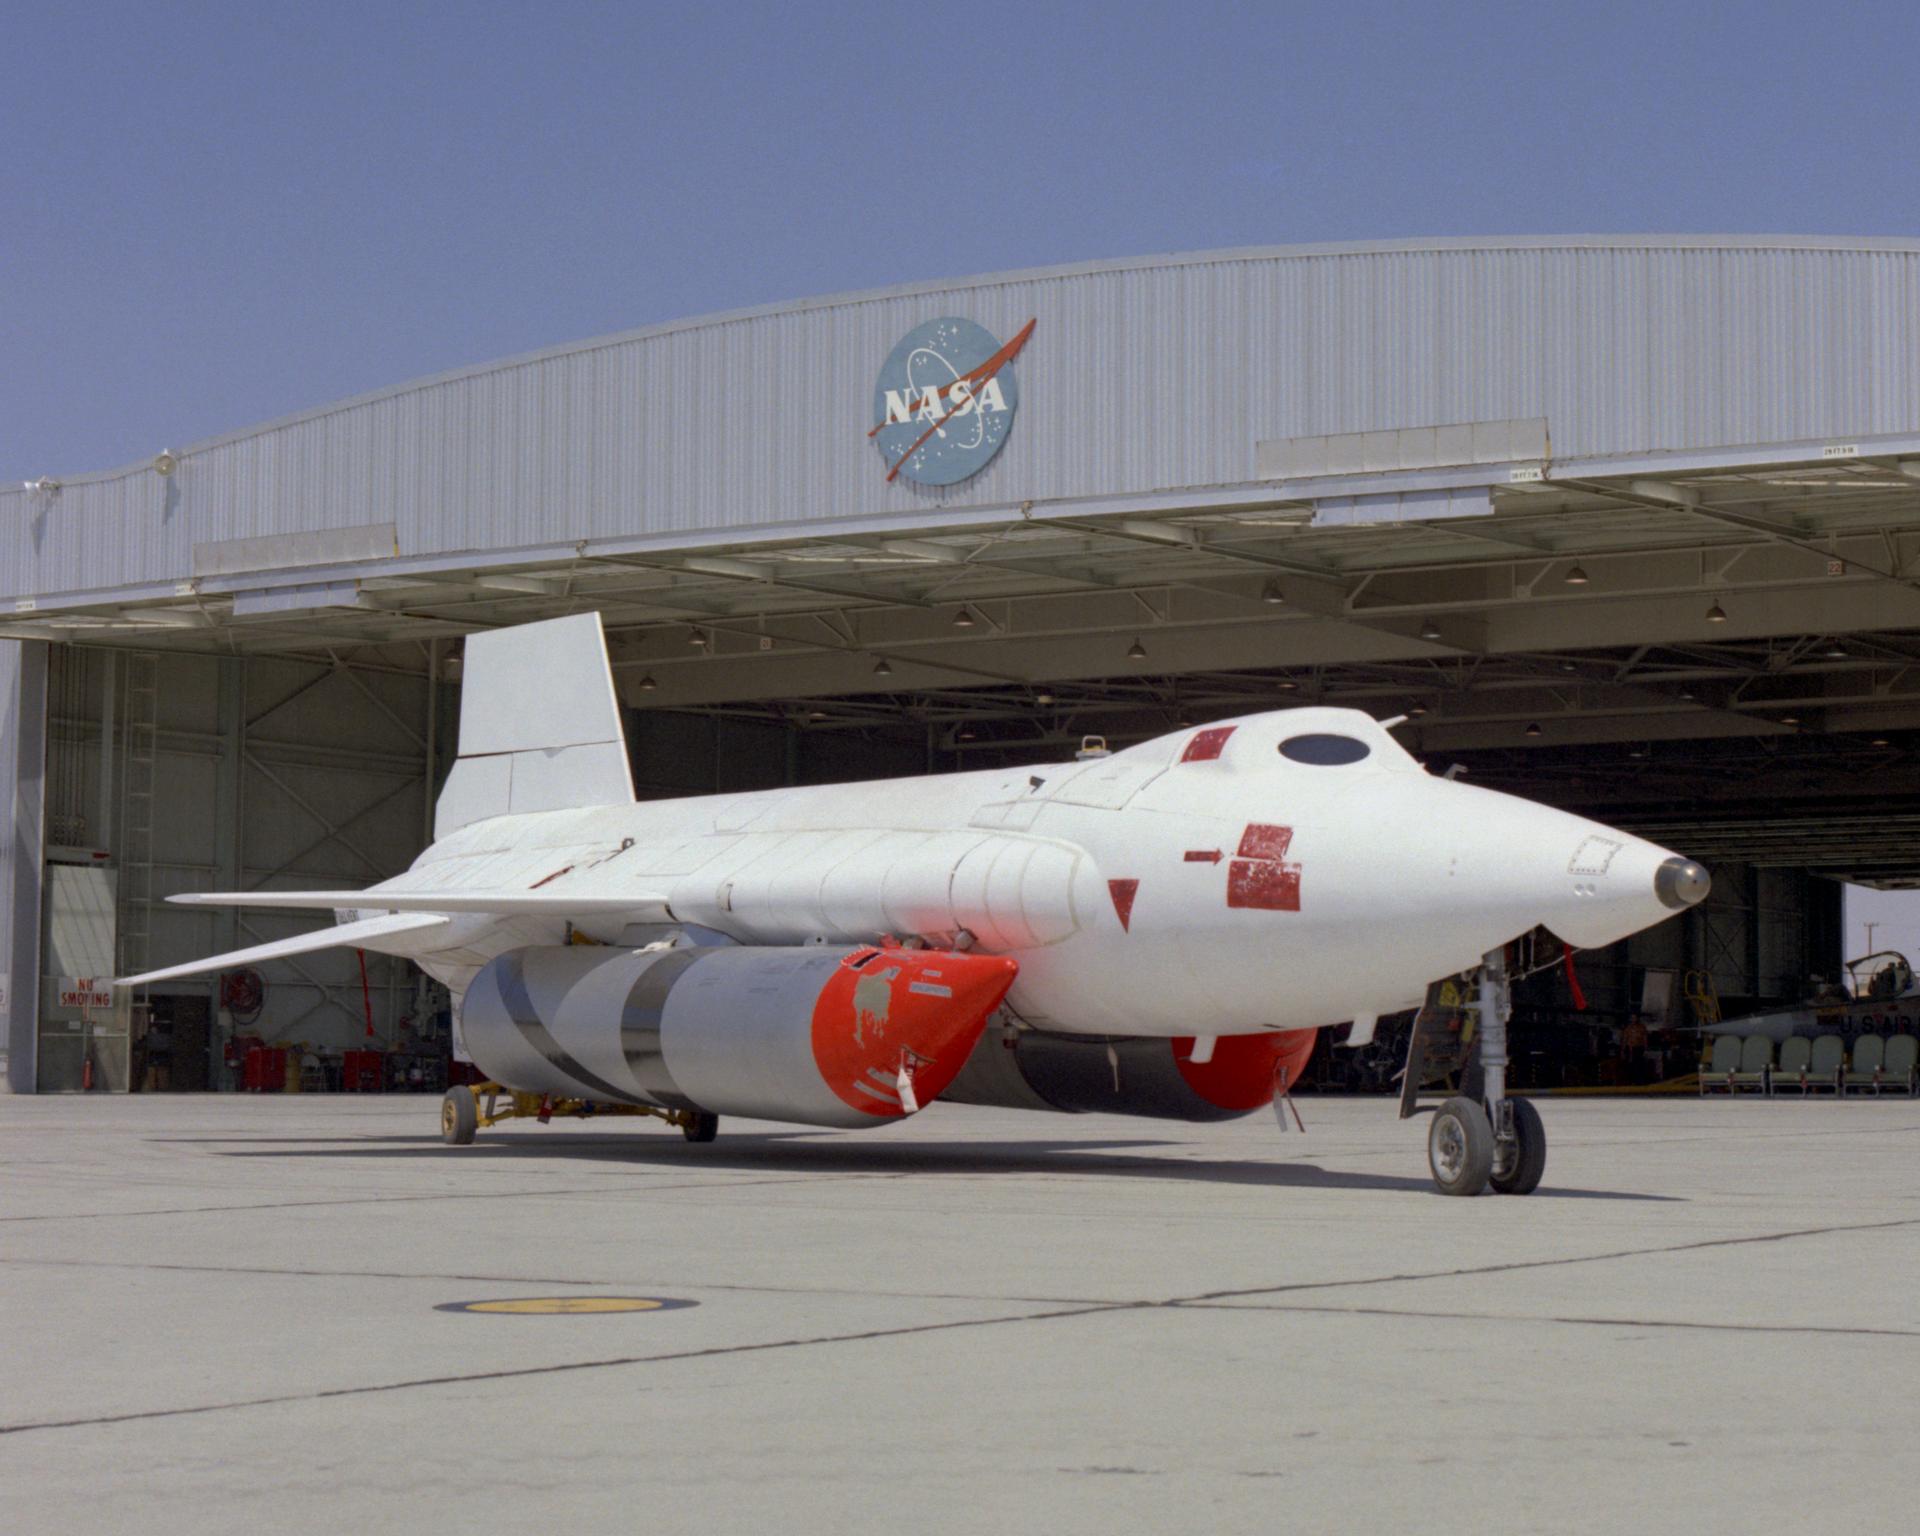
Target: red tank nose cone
point(913, 1014)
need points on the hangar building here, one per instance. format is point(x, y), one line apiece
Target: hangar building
point(1632, 525)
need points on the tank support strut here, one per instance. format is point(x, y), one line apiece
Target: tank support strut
point(543, 1107)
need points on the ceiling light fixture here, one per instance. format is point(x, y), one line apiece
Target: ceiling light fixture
point(1429, 630)
point(1716, 614)
point(1416, 710)
point(1789, 719)
point(1879, 741)
point(698, 640)
point(1043, 698)
point(1271, 593)
point(964, 618)
point(1577, 577)
point(1136, 652)
point(1533, 730)
point(1835, 652)
point(647, 684)
point(882, 669)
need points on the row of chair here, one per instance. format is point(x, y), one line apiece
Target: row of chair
point(1818, 1065)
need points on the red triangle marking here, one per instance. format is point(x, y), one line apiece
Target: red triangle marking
point(1123, 892)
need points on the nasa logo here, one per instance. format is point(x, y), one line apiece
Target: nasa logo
point(945, 400)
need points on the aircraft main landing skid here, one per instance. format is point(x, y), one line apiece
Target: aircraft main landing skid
point(1480, 1138)
point(464, 1110)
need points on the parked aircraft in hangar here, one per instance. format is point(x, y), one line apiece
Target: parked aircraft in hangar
point(1160, 931)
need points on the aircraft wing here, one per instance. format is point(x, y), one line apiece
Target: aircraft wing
point(364, 935)
point(646, 905)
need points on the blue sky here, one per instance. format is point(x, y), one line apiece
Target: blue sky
point(211, 215)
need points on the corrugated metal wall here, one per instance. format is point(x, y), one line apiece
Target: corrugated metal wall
point(1139, 377)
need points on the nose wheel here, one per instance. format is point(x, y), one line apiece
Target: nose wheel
point(1460, 1147)
point(1519, 1161)
point(1488, 1140)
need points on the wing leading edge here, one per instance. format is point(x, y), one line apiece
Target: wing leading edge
point(362, 935)
point(645, 905)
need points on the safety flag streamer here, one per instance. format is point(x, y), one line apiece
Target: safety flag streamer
point(1573, 979)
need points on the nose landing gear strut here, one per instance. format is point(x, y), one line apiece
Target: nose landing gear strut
point(1484, 1140)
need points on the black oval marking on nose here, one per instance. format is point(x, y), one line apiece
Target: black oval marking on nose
point(1681, 883)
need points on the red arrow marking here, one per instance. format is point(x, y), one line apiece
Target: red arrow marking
point(1204, 855)
point(1123, 892)
point(973, 376)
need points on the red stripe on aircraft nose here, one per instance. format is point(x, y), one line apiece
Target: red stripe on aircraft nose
point(1207, 745)
point(923, 1009)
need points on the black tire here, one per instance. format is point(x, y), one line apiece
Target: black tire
point(1529, 1155)
point(701, 1127)
point(459, 1117)
point(1460, 1147)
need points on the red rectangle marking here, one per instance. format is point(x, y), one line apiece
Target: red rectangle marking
point(1264, 884)
point(1261, 841)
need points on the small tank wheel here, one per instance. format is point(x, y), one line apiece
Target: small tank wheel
point(1529, 1159)
point(1460, 1147)
point(459, 1116)
point(700, 1126)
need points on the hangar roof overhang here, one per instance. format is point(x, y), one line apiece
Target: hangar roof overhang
point(1408, 568)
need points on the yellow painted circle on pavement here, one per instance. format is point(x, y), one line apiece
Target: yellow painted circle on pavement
point(552, 1306)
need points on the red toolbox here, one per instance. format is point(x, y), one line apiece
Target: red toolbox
point(362, 1071)
point(264, 1069)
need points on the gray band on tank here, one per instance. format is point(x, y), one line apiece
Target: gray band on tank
point(992, 1076)
point(1073, 1072)
point(511, 979)
point(640, 1020)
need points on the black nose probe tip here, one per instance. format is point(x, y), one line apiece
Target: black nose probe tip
point(1681, 883)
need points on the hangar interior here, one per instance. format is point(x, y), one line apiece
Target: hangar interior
point(1632, 527)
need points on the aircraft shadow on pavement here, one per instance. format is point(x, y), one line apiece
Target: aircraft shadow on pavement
point(811, 1152)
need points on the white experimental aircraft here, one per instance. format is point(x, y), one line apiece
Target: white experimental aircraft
point(1159, 931)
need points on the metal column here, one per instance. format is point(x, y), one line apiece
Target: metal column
point(23, 769)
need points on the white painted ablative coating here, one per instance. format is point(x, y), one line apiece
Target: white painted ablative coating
point(1286, 870)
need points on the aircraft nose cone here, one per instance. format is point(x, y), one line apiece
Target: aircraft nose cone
point(1681, 883)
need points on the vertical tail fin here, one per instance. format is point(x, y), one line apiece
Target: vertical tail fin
point(539, 725)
